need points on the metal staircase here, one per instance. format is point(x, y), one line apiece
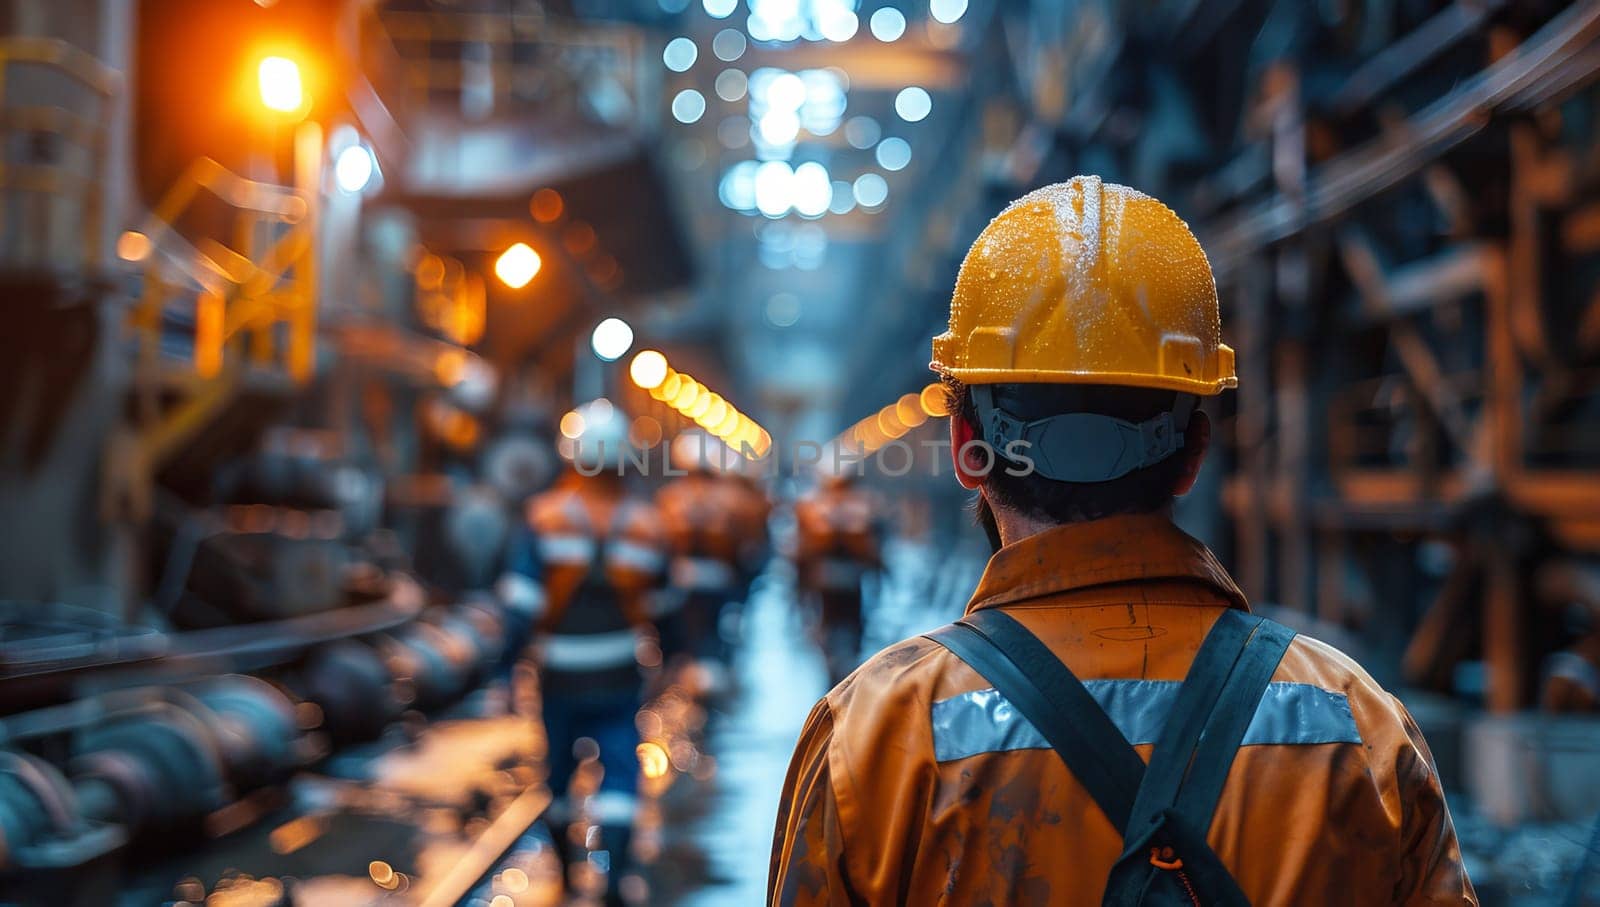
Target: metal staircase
point(214, 320)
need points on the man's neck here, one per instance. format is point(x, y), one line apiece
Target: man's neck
point(1015, 526)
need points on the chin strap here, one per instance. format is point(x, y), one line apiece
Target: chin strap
point(1081, 447)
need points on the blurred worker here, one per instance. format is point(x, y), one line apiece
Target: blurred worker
point(707, 521)
point(599, 551)
point(837, 528)
point(1570, 681)
point(1083, 330)
point(1572, 678)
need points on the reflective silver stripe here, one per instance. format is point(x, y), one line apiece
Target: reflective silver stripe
point(520, 594)
point(983, 721)
point(1575, 668)
point(566, 548)
point(632, 555)
point(611, 807)
point(588, 653)
point(701, 573)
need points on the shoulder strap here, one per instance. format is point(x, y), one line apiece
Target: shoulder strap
point(1177, 795)
point(1194, 753)
point(1235, 708)
point(1054, 701)
point(1199, 696)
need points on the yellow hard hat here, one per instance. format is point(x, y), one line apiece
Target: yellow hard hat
point(1085, 282)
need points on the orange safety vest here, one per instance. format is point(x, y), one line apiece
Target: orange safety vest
point(836, 539)
point(602, 552)
point(701, 519)
point(915, 783)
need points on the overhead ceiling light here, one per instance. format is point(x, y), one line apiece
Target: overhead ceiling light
point(352, 169)
point(779, 127)
point(680, 54)
point(714, 414)
point(913, 104)
point(947, 11)
point(688, 106)
point(894, 153)
point(729, 45)
point(812, 190)
point(738, 187)
point(687, 394)
point(611, 339)
point(871, 190)
point(839, 25)
point(648, 369)
point(887, 24)
point(279, 81)
point(786, 91)
point(731, 84)
point(517, 265)
point(774, 188)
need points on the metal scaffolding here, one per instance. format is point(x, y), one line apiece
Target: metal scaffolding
point(1401, 214)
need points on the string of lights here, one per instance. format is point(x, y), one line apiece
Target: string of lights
point(693, 400)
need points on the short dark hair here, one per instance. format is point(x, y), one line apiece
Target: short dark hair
point(1141, 491)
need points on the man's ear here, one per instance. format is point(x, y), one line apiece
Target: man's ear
point(971, 466)
point(1196, 440)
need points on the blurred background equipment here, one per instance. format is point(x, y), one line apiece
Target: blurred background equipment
point(307, 299)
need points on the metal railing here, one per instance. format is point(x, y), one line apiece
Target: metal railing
point(242, 295)
point(222, 311)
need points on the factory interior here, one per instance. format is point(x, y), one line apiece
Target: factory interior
point(312, 303)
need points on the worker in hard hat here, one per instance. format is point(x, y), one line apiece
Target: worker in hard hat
point(601, 552)
point(702, 514)
point(1201, 755)
point(838, 528)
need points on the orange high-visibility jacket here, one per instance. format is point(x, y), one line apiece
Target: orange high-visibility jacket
point(572, 521)
point(708, 516)
point(914, 782)
point(836, 522)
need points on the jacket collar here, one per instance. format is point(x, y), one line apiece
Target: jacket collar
point(1132, 548)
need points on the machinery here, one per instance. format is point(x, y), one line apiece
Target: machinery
point(261, 481)
point(143, 769)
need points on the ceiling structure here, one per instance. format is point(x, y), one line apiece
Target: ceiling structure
point(771, 186)
point(811, 164)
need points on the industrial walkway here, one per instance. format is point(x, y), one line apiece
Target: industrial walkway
point(715, 849)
